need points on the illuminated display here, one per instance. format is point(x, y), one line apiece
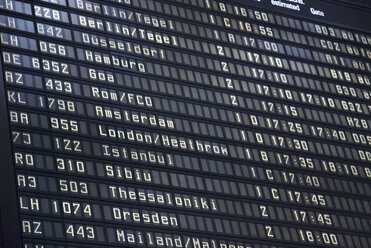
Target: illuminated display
point(185, 123)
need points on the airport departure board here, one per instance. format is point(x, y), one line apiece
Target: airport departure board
point(185, 124)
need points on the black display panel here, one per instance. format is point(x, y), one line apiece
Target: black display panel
point(185, 123)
